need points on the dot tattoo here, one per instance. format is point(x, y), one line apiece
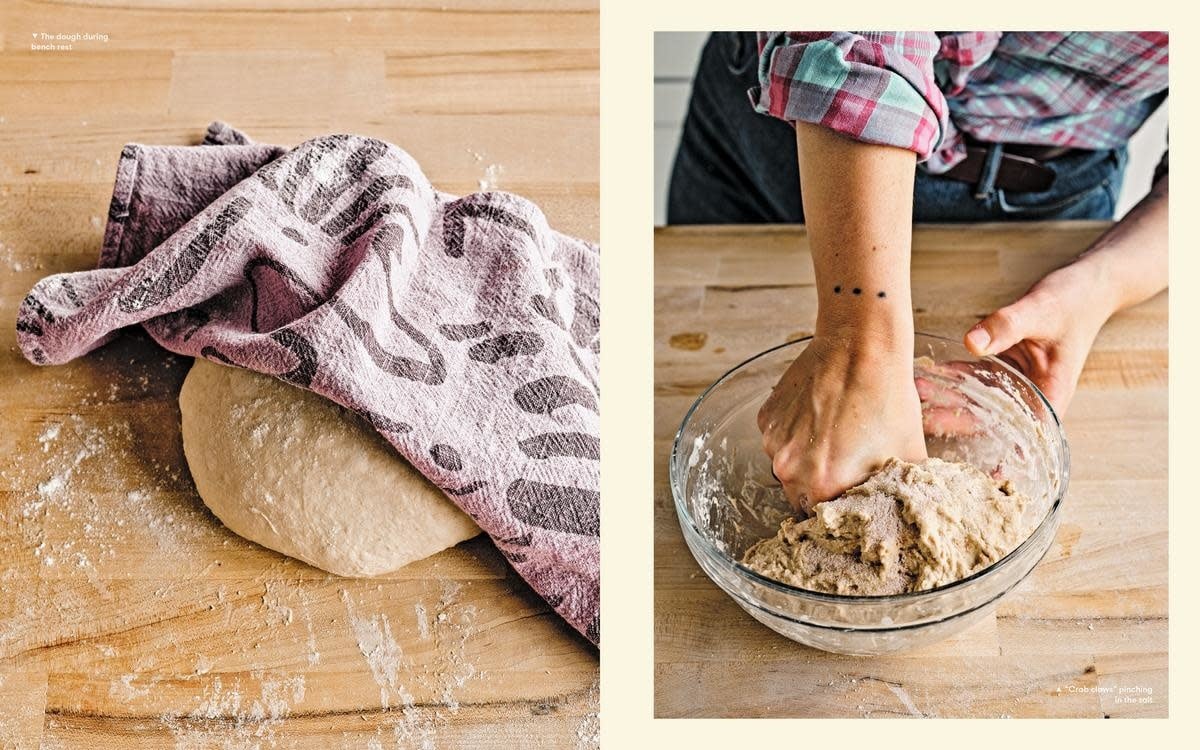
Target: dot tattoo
point(857, 291)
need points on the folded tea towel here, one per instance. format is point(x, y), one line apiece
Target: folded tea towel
point(465, 330)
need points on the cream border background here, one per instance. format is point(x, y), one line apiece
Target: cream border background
point(627, 219)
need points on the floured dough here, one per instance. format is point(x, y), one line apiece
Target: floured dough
point(909, 527)
point(295, 472)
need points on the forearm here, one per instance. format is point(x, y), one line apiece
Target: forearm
point(858, 210)
point(1130, 259)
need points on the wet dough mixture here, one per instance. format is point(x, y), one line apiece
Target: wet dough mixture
point(908, 527)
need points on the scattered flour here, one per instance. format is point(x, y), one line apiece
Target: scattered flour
point(277, 697)
point(491, 178)
point(272, 597)
point(454, 625)
point(422, 621)
point(7, 254)
point(383, 655)
point(204, 665)
point(414, 729)
point(52, 487)
point(124, 689)
point(49, 435)
point(259, 434)
point(446, 671)
point(314, 656)
point(76, 458)
point(587, 734)
point(225, 717)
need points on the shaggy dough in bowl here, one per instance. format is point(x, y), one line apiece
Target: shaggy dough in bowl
point(299, 474)
point(909, 527)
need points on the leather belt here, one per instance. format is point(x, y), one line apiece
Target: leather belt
point(1021, 168)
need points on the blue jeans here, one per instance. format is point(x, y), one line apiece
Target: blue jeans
point(735, 166)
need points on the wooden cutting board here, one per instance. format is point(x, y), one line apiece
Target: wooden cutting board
point(1084, 635)
point(129, 617)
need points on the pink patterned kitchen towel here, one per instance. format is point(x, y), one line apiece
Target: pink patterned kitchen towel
point(466, 330)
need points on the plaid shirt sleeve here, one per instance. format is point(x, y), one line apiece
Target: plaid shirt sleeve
point(877, 87)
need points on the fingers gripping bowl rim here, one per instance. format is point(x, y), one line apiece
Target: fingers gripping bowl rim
point(724, 499)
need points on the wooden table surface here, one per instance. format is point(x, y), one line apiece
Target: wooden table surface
point(1092, 617)
point(129, 616)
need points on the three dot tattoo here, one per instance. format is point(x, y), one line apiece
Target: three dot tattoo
point(857, 291)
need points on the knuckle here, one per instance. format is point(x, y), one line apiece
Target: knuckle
point(1008, 317)
point(785, 468)
point(826, 485)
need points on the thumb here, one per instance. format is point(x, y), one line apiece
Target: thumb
point(1002, 329)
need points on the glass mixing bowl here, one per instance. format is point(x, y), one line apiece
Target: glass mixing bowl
point(727, 498)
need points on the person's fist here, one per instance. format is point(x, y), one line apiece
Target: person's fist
point(837, 414)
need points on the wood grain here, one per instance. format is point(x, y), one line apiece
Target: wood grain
point(1089, 622)
point(129, 616)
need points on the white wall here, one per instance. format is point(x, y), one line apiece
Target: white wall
point(675, 58)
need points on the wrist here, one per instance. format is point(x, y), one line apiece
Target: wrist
point(1098, 281)
point(876, 328)
point(869, 314)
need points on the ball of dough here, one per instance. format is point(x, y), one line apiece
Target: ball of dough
point(294, 472)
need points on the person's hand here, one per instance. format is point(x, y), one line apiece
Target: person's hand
point(841, 410)
point(1047, 333)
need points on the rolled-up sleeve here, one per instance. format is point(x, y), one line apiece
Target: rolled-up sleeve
point(877, 87)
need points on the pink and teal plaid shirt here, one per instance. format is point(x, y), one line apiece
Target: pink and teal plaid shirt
point(923, 91)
